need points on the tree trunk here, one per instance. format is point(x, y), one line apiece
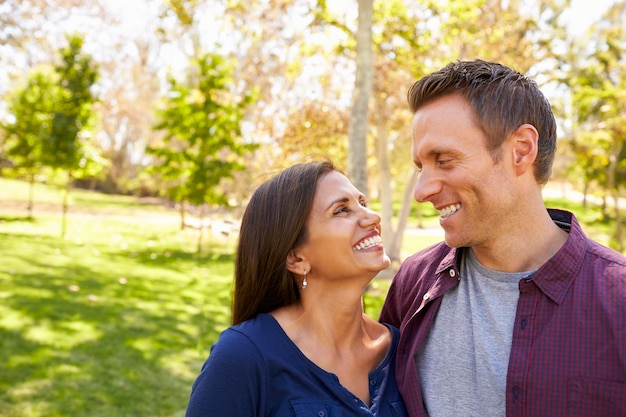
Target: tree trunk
point(384, 173)
point(395, 251)
point(31, 195)
point(181, 211)
point(612, 188)
point(357, 128)
point(391, 236)
point(66, 194)
point(619, 226)
point(200, 230)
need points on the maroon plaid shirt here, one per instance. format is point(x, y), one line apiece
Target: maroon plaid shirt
point(568, 355)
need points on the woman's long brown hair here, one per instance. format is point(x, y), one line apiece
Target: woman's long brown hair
point(273, 224)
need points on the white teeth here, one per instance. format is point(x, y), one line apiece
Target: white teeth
point(367, 243)
point(445, 212)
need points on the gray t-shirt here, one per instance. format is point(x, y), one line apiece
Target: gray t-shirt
point(463, 363)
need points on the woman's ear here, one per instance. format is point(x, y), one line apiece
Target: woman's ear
point(295, 264)
point(525, 148)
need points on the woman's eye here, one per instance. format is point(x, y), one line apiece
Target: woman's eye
point(363, 203)
point(342, 209)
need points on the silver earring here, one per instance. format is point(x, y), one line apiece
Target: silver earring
point(304, 281)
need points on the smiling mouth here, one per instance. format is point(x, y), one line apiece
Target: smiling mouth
point(450, 210)
point(368, 243)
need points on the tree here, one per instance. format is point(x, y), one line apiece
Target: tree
point(127, 116)
point(315, 128)
point(294, 75)
point(357, 128)
point(32, 108)
point(31, 32)
point(412, 39)
point(51, 121)
point(202, 143)
point(598, 101)
point(400, 44)
point(67, 148)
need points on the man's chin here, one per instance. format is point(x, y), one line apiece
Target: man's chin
point(453, 241)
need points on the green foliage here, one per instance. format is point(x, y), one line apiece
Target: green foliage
point(32, 107)
point(315, 129)
point(184, 10)
point(598, 84)
point(52, 115)
point(65, 145)
point(202, 144)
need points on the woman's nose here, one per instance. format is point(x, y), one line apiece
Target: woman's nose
point(370, 218)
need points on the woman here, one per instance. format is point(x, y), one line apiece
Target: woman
point(301, 344)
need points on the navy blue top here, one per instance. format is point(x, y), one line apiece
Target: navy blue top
point(254, 369)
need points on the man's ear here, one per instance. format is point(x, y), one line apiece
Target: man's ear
point(525, 148)
point(295, 263)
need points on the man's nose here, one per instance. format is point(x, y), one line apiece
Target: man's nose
point(427, 186)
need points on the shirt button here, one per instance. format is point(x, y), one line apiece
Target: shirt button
point(452, 273)
point(426, 296)
point(356, 400)
point(321, 413)
point(373, 382)
point(515, 392)
point(523, 323)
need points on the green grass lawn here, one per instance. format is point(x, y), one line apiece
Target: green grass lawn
point(116, 319)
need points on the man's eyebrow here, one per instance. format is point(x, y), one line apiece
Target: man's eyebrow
point(436, 152)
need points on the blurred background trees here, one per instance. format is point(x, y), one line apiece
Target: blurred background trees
point(293, 89)
point(50, 124)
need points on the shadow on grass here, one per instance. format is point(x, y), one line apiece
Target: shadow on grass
point(107, 336)
point(171, 257)
point(15, 219)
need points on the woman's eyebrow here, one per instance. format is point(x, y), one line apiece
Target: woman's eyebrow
point(339, 200)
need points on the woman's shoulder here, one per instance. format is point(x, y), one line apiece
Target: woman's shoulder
point(255, 330)
point(261, 322)
point(252, 343)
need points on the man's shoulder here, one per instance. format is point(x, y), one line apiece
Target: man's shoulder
point(582, 245)
point(605, 253)
point(414, 277)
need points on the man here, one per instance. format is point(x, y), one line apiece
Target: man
point(517, 313)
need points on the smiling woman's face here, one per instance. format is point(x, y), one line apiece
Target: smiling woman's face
point(343, 238)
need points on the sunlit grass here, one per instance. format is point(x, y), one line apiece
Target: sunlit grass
point(91, 331)
point(114, 320)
